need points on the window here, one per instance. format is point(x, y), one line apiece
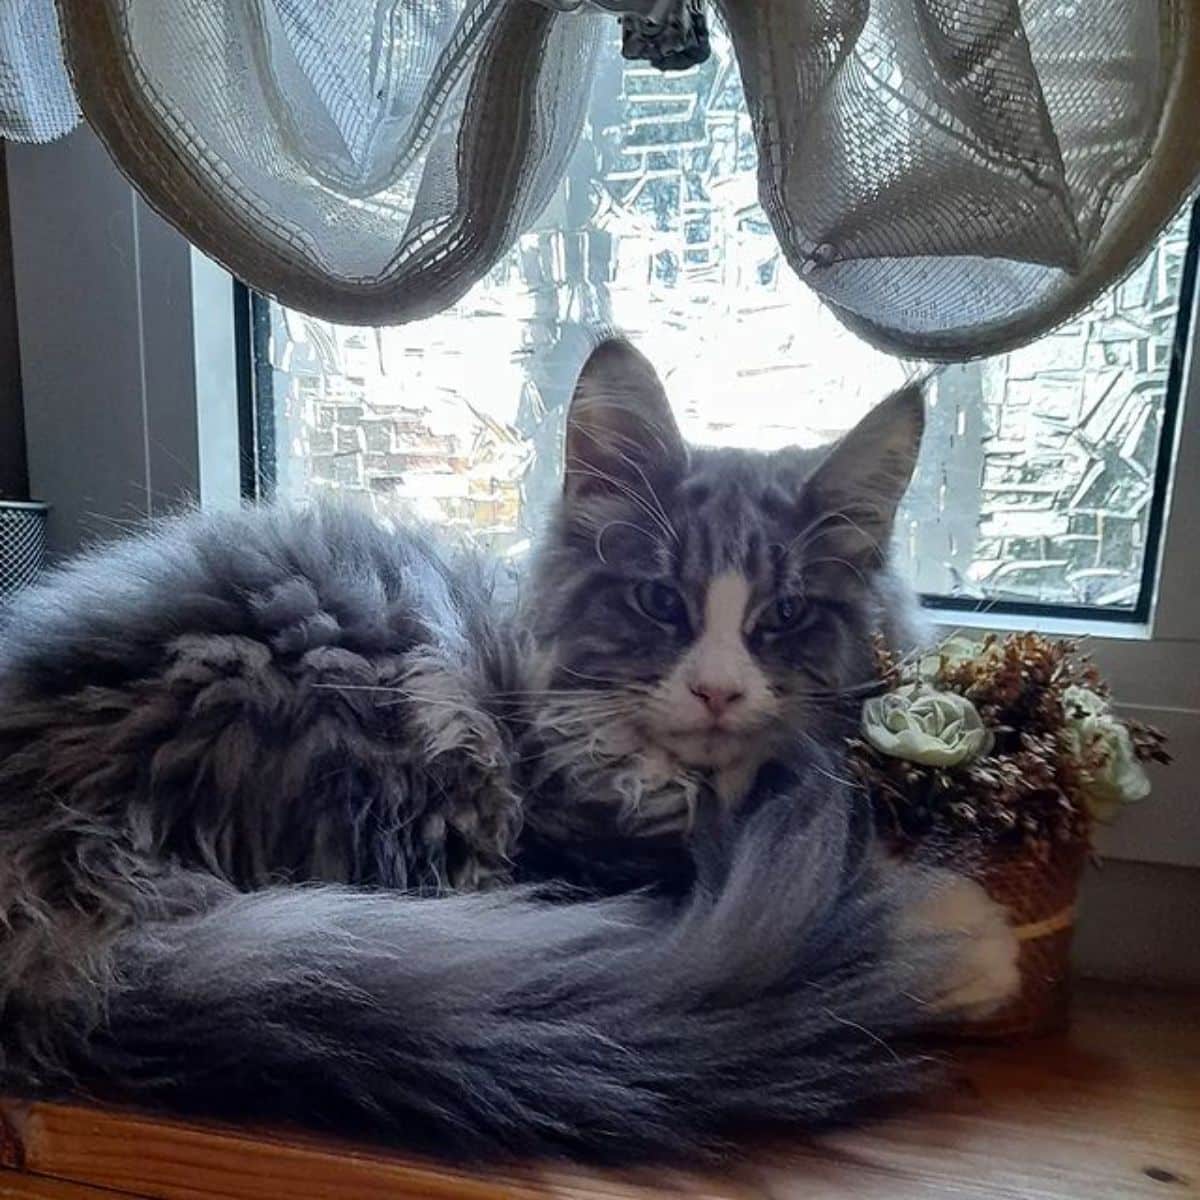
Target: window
point(1043, 476)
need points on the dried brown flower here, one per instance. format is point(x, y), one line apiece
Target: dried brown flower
point(1029, 789)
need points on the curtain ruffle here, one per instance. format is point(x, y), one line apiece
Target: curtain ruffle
point(953, 177)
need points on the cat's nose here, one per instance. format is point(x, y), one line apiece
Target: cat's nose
point(715, 698)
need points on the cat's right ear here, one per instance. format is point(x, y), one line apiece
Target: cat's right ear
point(621, 435)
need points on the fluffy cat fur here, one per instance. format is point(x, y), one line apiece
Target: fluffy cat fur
point(280, 795)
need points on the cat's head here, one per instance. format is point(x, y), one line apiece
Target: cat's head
point(712, 605)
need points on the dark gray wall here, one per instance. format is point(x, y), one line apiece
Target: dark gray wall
point(105, 315)
point(1138, 922)
point(14, 476)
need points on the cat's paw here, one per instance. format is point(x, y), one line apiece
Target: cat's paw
point(984, 973)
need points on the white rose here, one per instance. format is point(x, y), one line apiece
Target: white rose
point(1081, 702)
point(953, 652)
point(1096, 739)
point(938, 729)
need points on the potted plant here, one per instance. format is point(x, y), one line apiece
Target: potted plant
point(1002, 755)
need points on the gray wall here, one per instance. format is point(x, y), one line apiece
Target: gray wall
point(1138, 923)
point(105, 316)
point(14, 478)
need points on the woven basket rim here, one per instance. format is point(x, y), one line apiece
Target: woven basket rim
point(992, 852)
point(998, 854)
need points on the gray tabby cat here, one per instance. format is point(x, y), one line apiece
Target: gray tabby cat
point(270, 783)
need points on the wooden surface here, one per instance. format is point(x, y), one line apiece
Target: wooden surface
point(1111, 1110)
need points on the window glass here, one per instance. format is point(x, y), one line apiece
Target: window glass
point(1039, 469)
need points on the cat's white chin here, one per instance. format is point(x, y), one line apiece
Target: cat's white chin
point(707, 747)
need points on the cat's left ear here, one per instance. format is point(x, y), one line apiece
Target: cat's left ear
point(851, 499)
point(621, 436)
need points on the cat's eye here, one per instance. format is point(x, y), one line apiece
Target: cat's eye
point(660, 602)
point(787, 614)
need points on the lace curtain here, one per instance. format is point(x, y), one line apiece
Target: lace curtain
point(36, 101)
point(953, 177)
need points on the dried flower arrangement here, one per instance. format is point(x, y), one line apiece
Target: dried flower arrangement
point(1009, 745)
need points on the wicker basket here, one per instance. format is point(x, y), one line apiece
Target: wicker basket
point(1040, 895)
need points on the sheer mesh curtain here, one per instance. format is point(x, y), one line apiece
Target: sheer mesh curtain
point(951, 176)
point(36, 101)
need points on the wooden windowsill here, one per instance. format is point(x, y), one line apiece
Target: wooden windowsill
point(1110, 1110)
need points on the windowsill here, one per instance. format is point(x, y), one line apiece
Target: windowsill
point(951, 620)
point(1106, 1110)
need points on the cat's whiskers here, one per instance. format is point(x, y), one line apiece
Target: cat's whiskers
point(809, 563)
point(579, 720)
point(568, 713)
point(579, 467)
point(615, 524)
point(816, 528)
point(629, 685)
point(579, 733)
point(824, 772)
point(654, 496)
point(614, 436)
point(852, 692)
point(541, 693)
point(615, 439)
point(402, 695)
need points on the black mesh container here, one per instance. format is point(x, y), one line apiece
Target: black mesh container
point(22, 545)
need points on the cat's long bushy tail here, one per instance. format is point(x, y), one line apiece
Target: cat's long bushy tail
point(502, 1024)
